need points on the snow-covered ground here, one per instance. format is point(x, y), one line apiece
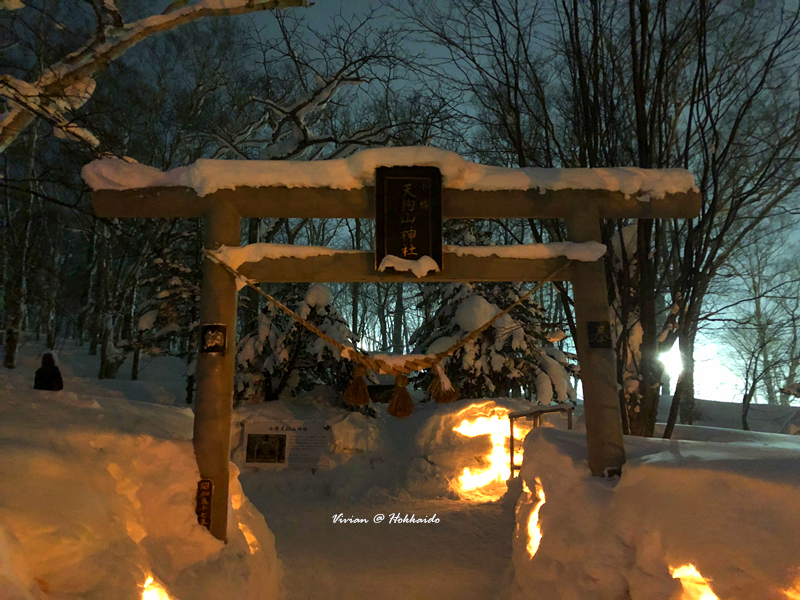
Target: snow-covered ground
point(728, 508)
point(97, 496)
point(97, 491)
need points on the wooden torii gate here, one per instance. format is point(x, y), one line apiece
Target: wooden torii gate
point(222, 210)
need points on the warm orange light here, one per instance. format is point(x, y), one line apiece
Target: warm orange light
point(794, 592)
point(153, 590)
point(252, 542)
point(534, 527)
point(487, 484)
point(695, 586)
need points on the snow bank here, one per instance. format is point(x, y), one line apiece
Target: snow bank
point(357, 171)
point(98, 494)
point(766, 418)
point(729, 509)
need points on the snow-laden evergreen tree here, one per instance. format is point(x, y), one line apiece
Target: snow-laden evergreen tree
point(282, 358)
point(167, 320)
point(510, 357)
point(513, 356)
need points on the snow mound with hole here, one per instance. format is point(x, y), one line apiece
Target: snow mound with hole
point(441, 454)
point(98, 494)
point(729, 509)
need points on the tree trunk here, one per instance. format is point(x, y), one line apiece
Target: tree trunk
point(97, 318)
point(384, 326)
point(86, 295)
point(399, 315)
point(253, 297)
point(651, 369)
point(16, 290)
point(52, 293)
point(683, 399)
point(135, 365)
point(354, 289)
point(748, 398)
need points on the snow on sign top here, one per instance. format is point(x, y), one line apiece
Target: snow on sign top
point(207, 176)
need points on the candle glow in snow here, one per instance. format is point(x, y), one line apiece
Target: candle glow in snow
point(534, 527)
point(489, 483)
point(152, 590)
point(695, 586)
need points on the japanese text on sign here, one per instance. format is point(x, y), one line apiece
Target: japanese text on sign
point(205, 489)
point(408, 213)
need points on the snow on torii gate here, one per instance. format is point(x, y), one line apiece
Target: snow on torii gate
point(223, 192)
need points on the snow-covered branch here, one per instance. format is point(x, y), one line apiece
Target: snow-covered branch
point(51, 96)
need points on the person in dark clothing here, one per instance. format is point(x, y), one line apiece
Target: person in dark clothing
point(48, 377)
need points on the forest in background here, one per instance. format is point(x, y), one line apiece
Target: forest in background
point(711, 86)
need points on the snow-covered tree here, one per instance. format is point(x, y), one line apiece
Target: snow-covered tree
point(169, 316)
point(282, 358)
point(511, 356)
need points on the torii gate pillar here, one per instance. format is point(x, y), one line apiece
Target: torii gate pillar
point(215, 370)
point(604, 442)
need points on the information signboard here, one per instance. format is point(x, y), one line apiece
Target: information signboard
point(275, 444)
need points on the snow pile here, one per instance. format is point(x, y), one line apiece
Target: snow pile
point(355, 433)
point(98, 495)
point(474, 312)
point(207, 176)
point(420, 267)
point(318, 296)
point(728, 509)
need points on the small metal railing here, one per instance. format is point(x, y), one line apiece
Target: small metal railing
point(535, 415)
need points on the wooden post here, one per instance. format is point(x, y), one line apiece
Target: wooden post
point(596, 354)
point(215, 369)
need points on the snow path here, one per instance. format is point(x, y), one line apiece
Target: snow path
point(467, 555)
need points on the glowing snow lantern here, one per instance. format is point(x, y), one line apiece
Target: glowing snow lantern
point(252, 541)
point(153, 590)
point(534, 527)
point(487, 484)
point(695, 586)
point(794, 592)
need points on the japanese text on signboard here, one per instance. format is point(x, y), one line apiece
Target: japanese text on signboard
point(408, 213)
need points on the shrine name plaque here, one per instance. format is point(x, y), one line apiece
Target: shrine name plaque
point(408, 213)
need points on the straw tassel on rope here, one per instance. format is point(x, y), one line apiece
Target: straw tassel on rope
point(357, 391)
point(401, 404)
point(441, 389)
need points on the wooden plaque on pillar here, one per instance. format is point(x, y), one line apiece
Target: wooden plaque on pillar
point(213, 338)
point(205, 490)
point(408, 213)
point(599, 334)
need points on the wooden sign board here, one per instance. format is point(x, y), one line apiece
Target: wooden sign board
point(408, 213)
